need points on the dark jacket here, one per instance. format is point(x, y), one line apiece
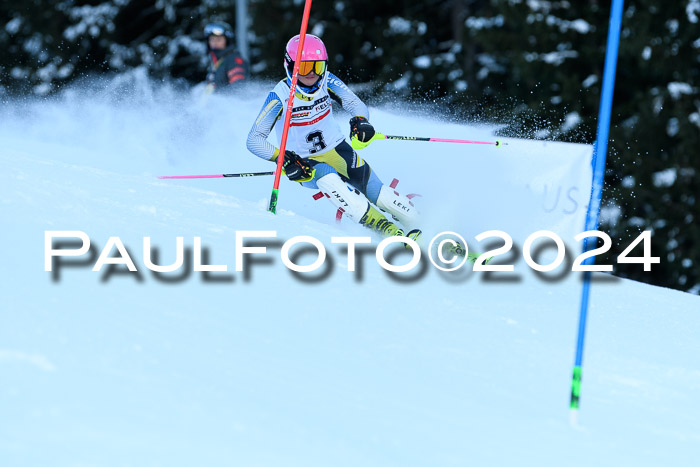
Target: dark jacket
point(226, 67)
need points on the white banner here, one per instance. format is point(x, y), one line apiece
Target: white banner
point(558, 178)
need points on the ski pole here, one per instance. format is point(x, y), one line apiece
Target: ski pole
point(357, 144)
point(248, 174)
point(290, 105)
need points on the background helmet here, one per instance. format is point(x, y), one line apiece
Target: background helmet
point(314, 51)
point(219, 28)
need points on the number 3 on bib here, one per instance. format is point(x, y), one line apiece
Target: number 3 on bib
point(316, 140)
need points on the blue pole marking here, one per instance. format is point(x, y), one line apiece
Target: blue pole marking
point(600, 148)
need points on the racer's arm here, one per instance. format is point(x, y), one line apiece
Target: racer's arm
point(361, 131)
point(340, 93)
point(257, 137)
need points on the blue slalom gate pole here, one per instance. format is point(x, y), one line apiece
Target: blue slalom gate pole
point(600, 148)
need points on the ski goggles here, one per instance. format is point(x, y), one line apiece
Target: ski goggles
point(214, 30)
point(317, 66)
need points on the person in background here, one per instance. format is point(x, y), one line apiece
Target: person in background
point(226, 66)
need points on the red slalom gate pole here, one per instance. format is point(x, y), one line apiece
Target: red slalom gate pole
point(290, 104)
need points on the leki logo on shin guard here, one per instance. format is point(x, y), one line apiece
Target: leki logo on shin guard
point(402, 206)
point(340, 198)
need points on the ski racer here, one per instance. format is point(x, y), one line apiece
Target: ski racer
point(317, 154)
point(226, 66)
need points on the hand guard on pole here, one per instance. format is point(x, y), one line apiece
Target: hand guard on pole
point(361, 132)
point(296, 168)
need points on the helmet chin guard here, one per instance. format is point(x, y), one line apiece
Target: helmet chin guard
point(308, 91)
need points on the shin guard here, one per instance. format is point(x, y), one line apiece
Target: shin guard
point(398, 206)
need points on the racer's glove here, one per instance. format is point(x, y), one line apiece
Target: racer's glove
point(361, 129)
point(362, 133)
point(296, 168)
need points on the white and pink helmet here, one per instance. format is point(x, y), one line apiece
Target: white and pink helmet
point(313, 58)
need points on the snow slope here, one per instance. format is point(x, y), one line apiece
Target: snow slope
point(333, 368)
